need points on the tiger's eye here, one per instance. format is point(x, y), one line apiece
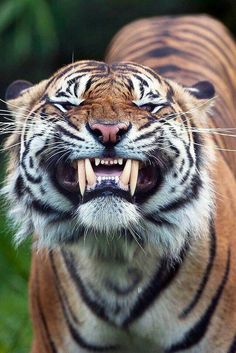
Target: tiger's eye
point(67, 106)
point(149, 107)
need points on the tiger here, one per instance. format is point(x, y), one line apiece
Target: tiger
point(121, 172)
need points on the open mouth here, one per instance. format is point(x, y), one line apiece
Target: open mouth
point(128, 175)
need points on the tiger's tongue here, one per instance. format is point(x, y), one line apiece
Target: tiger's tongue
point(107, 171)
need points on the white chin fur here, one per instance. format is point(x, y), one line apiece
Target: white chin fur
point(108, 214)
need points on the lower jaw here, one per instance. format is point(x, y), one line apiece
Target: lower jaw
point(107, 191)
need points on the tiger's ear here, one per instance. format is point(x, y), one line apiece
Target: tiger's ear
point(16, 88)
point(202, 90)
point(21, 95)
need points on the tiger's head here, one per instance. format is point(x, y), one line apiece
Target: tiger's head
point(109, 151)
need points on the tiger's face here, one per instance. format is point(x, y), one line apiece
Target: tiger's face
point(110, 151)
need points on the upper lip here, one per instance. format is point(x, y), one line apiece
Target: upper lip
point(88, 176)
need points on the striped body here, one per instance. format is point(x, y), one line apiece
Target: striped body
point(175, 290)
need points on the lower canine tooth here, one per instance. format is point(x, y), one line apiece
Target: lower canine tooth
point(90, 175)
point(81, 175)
point(134, 176)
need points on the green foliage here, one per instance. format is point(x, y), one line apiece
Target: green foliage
point(15, 327)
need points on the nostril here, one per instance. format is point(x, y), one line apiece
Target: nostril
point(109, 133)
point(121, 133)
point(98, 133)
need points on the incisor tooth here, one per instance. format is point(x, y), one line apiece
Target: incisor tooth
point(81, 175)
point(134, 176)
point(120, 161)
point(97, 161)
point(90, 175)
point(125, 175)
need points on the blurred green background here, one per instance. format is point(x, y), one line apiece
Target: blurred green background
point(36, 38)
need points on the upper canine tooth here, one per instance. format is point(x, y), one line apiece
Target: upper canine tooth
point(97, 161)
point(120, 161)
point(125, 175)
point(81, 175)
point(134, 176)
point(90, 175)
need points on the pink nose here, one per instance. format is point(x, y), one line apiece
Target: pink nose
point(109, 132)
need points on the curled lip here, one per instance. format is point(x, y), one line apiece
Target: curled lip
point(95, 175)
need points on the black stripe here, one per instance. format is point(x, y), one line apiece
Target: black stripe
point(69, 134)
point(31, 178)
point(206, 275)
point(42, 149)
point(42, 316)
point(185, 177)
point(46, 209)
point(131, 68)
point(82, 343)
point(149, 123)
point(88, 84)
point(232, 348)
point(61, 94)
point(142, 81)
point(163, 277)
point(96, 307)
point(174, 149)
point(157, 220)
point(147, 134)
point(19, 187)
point(62, 296)
point(31, 162)
point(197, 140)
point(197, 332)
point(74, 333)
point(167, 68)
point(191, 192)
point(162, 52)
